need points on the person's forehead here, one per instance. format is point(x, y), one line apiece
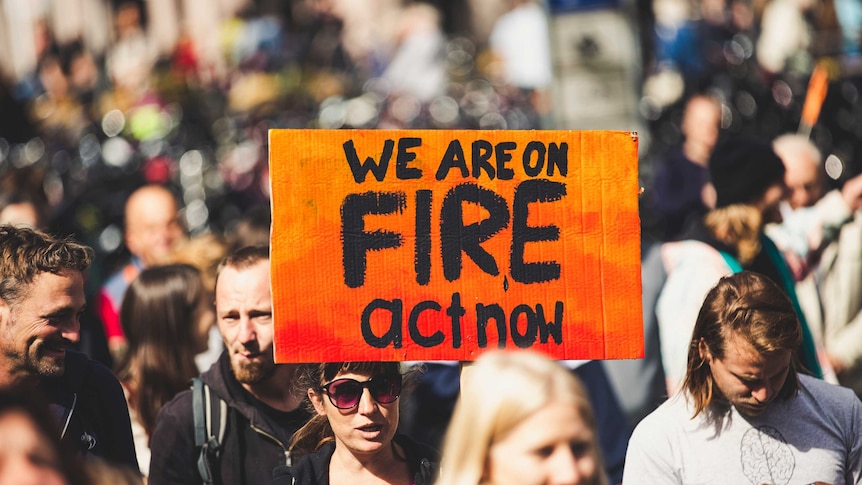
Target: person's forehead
point(49, 289)
point(233, 277)
point(150, 204)
point(740, 354)
point(557, 421)
point(800, 166)
point(704, 108)
point(20, 213)
point(351, 374)
point(20, 432)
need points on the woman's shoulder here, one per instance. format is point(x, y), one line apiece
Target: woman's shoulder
point(311, 469)
point(422, 459)
point(413, 447)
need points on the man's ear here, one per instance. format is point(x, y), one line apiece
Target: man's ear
point(317, 401)
point(704, 352)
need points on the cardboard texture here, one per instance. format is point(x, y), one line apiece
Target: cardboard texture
point(438, 245)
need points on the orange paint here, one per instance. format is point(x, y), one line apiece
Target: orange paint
point(594, 304)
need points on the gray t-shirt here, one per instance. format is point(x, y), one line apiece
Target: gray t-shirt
point(815, 436)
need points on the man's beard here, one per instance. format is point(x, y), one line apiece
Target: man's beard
point(252, 372)
point(32, 363)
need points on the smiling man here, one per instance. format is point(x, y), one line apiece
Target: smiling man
point(746, 413)
point(41, 300)
point(263, 412)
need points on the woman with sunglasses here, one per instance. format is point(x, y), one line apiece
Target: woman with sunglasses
point(351, 437)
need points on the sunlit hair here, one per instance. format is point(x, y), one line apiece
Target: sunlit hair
point(204, 252)
point(737, 226)
point(243, 258)
point(25, 253)
point(500, 391)
point(748, 305)
point(317, 430)
point(160, 314)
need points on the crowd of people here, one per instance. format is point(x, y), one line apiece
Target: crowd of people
point(141, 167)
point(246, 419)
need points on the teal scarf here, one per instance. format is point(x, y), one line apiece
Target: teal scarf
point(808, 352)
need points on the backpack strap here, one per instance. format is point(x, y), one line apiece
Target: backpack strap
point(210, 417)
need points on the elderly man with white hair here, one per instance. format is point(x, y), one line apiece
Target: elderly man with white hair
point(822, 236)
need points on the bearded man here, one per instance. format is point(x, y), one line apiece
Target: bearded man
point(262, 411)
point(41, 302)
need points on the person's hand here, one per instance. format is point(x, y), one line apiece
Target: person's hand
point(798, 266)
point(852, 192)
point(837, 366)
point(708, 195)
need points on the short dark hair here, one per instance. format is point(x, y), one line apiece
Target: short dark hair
point(741, 168)
point(317, 431)
point(26, 252)
point(242, 258)
point(751, 306)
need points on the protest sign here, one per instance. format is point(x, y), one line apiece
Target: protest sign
point(437, 245)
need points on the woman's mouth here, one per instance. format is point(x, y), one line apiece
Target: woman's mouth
point(371, 428)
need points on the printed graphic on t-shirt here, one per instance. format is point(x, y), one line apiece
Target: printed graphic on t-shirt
point(766, 457)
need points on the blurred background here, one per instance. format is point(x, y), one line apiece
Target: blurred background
point(99, 96)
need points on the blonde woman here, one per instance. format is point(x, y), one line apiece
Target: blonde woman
point(521, 418)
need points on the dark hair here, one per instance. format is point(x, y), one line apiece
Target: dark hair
point(159, 315)
point(26, 252)
point(751, 306)
point(243, 258)
point(317, 430)
point(741, 168)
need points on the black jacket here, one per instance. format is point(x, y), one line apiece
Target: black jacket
point(89, 404)
point(254, 443)
point(314, 469)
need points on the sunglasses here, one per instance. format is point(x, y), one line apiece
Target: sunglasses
point(346, 393)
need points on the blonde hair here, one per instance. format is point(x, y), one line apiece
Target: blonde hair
point(501, 390)
point(751, 306)
point(203, 251)
point(737, 226)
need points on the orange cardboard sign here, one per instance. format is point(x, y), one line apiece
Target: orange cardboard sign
point(438, 245)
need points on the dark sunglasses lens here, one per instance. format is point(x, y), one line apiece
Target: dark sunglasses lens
point(345, 393)
point(385, 389)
